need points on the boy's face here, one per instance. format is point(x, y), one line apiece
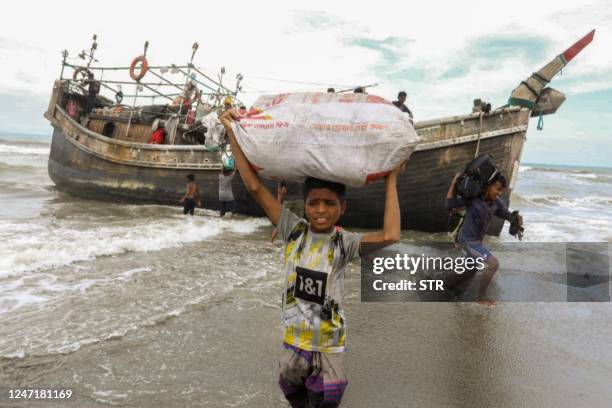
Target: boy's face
point(494, 191)
point(323, 209)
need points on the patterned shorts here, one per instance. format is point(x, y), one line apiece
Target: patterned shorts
point(310, 379)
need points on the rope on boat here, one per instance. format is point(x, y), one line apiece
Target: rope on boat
point(479, 131)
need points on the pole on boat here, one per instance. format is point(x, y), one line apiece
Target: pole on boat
point(528, 92)
point(64, 56)
point(127, 129)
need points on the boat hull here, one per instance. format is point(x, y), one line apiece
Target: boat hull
point(88, 165)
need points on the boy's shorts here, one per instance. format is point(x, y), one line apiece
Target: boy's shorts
point(475, 249)
point(312, 379)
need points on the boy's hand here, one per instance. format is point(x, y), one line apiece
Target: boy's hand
point(398, 170)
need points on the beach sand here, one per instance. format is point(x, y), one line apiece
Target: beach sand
point(223, 352)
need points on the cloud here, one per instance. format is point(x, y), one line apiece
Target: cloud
point(23, 110)
point(306, 21)
point(442, 53)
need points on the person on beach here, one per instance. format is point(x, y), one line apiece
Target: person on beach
point(226, 194)
point(401, 104)
point(317, 254)
point(191, 197)
point(479, 212)
point(281, 192)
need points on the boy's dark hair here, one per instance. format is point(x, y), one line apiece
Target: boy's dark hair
point(501, 179)
point(331, 90)
point(358, 90)
point(312, 183)
point(401, 93)
point(190, 177)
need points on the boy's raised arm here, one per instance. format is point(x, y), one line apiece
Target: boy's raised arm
point(392, 224)
point(250, 179)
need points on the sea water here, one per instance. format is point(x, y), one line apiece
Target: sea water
point(122, 301)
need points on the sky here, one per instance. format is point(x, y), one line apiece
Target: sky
point(443, 54)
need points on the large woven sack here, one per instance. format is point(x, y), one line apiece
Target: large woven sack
point(352, 139)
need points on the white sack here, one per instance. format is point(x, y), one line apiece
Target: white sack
point(348, 138)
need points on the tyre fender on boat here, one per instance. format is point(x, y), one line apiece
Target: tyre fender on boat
point(143, 68)
point(81, 74)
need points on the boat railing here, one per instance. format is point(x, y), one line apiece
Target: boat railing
point(140, 146)
point(176, 85)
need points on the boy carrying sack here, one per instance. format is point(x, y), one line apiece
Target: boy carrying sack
point(317, 253)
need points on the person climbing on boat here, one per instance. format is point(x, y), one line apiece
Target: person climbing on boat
point(226, 194)
point(191, 197)
point(317, 254)
point(478, 215)
point(401, 104)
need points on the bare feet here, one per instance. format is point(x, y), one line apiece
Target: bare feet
point(485, 301)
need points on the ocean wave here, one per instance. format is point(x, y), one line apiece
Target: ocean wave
point(25, 150)
point(585, 202)
point(24, 142)
point(31, 247)
point(18, 167)
point(587, 172)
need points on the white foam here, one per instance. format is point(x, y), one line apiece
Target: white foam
point(583, 203)
point(523, 169)
point(29, 247)
point(24, 150)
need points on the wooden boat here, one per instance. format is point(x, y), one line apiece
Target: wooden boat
point(104, 153)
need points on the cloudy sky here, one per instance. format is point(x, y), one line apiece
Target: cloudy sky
point(444, 54)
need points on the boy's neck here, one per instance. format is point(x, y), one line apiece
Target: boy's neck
point(331, 229)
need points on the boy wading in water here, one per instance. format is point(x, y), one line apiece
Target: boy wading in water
point(316, 256)
point(191, 197)
point(478, 214)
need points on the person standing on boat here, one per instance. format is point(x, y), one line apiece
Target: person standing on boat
point(92, 92)
point(191, 197)
point(158, 136)
point(400, 104)
point(479, 212)
point(226, 194)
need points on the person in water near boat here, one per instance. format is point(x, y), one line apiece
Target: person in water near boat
point(226, 194)
point(479, 212)
point(191, 197)
point(317, 253)
point(401, 104)
point(281, 192)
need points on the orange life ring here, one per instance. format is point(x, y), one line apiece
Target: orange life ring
point(143, 69)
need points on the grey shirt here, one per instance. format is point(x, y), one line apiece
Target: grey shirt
point(225, 187)
point(478, 215)
point(308, 325)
